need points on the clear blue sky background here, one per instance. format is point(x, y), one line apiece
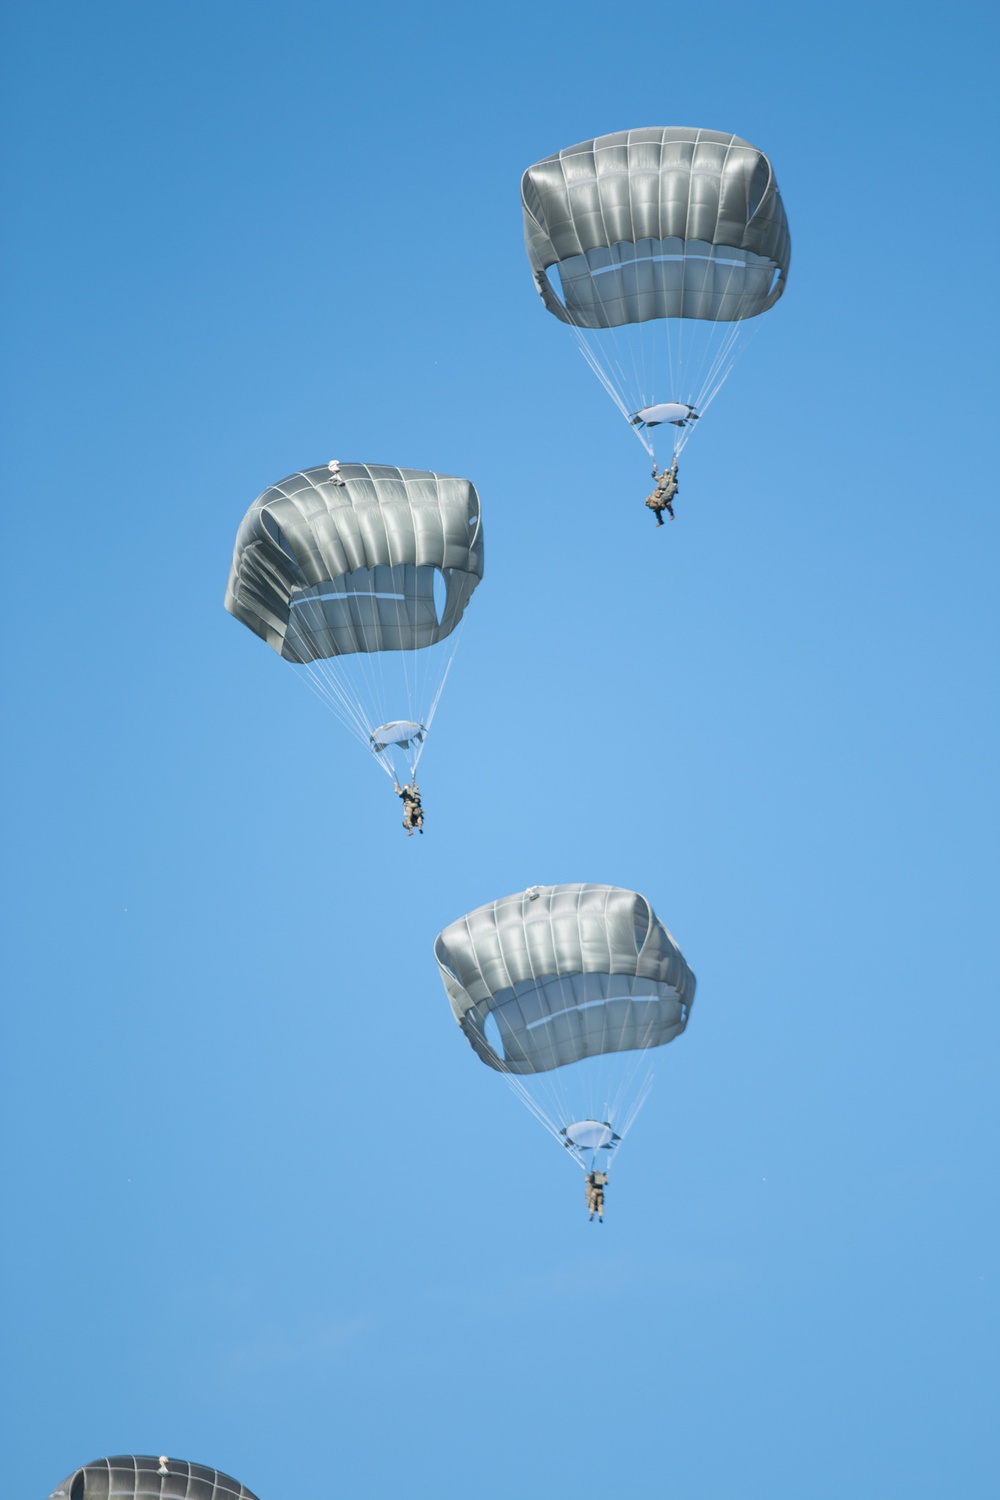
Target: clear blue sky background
point(264, 1207)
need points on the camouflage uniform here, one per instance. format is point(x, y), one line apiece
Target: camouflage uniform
point(662, 497)
point(413, 812)
point(594, 1189)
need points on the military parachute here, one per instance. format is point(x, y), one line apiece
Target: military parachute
point(360, 574)
point(657, 246)
point(565, 990)
point(140, 1477)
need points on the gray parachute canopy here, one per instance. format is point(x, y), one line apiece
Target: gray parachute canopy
point(567, 972)
point(140, 1477)
point(656, 223)
point(343, 559)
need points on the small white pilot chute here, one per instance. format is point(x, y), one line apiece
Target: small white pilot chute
point(397, 746)
point(591, 1136)
point(401, 732)
point(678, 413)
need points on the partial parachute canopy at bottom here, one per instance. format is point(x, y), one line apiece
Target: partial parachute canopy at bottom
point(141, 1477)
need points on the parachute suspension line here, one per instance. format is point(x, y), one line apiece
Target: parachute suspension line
point(629, 394)
point(372, 665)
point(335, 673)
point(333, 697)
point(343, 683)
point(609, 386)
point(715, 346)
point(643, 353)
point(742, 337)
point(627, 1082)
point(530, 1103)
point(456, 636)
point(643, 1094)
point(719, 352)
point(721, 355)
point(321, 677)
point(336, 690)
point(605, 376)
point(719, 372)
point(601, 1103)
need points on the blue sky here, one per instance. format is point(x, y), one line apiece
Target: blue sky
point(265, 1208)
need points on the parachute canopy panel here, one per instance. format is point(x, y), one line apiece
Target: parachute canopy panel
point(140, 1477)
point(359, 558)
point(656, 223)
point(543, 979)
